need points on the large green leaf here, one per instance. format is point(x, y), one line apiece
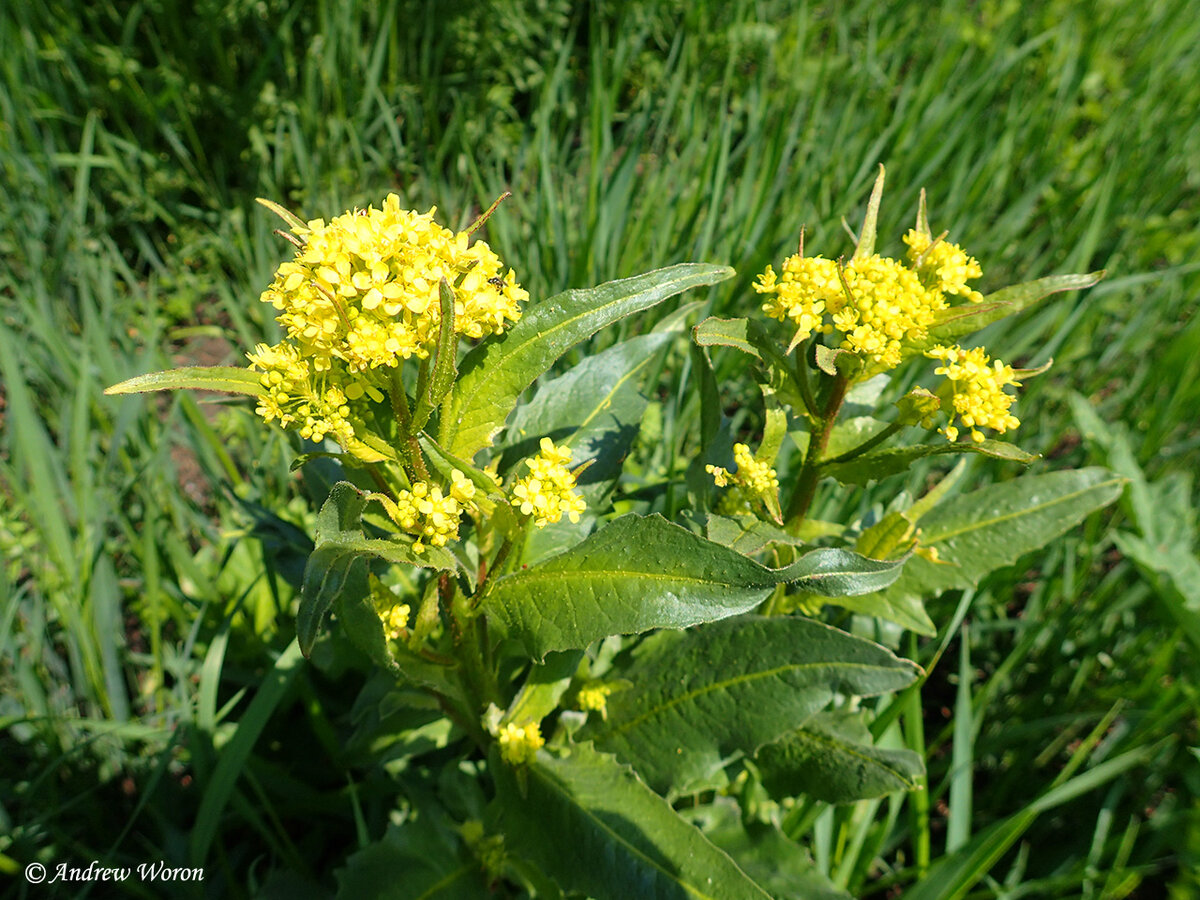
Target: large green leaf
point(590, 824)
point(419, 860)
point(979, 532)
point(227, 379)
point(959, 321)
point(337, 571)
point(594, 409)
point(876, 464)
point(494, 374)
point(831, 757)
point(783, 868)
point(699, 699)
point(642, 573)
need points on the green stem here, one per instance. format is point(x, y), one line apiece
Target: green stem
point(914, 727)
point(805, 384)
point(806, 483)
point(410, 447)
point(468, 637)
point(868, 444)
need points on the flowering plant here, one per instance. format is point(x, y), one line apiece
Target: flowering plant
point(625, 705)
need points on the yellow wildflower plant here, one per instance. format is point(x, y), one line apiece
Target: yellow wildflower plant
point(548, 492)
point(519, 744)
point(975, 391)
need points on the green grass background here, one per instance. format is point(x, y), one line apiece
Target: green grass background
point(145, 588)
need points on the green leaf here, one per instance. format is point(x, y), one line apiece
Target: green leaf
point(831, 758)
point(979, 532)
point(591, 825)
point(227, 379)
point(740, 334)
point(959, 321)
point(720, 691)
point(763, 852)
point(494, 374)
point(292, 220)
point(432, 385)
point(337, 571)
point(642, 573)
point(876, 464)
point(746, 534)
point(594, 409)
point(866, 234)
point(543, 688)
point(419, 860)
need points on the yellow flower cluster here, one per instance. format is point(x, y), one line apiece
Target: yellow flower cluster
point(363, 293)
point(395, 619)
point(295, 396)
point(755, 477)
point(519, 744)
point(878, 305)
point(976, 390)
point(943, 266)
point(428, 512)
point(594, 697)
point(548, 492)
point(365, 288)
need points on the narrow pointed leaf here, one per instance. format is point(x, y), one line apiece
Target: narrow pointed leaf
point(866, 235)
point(589, 823)
point(959, 321)
point(831, 758)
point(876, 464)
point(735, 333)
point(227, 379)
point(642, 573)
point(292, 220)
point(979, 532)
point(719, 691)
point(495, 373)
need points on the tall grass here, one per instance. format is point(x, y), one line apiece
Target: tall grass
point(143, 601)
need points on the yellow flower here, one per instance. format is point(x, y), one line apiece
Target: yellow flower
point(296, 396)
point(519, 744)
point(548, 492)
point(594, 697)
point(395, 618)
point(975, 388)
point(756, 477)
point(365, 288)
point(888, 307)
point(808, 287)
point(424, 511)
point(943, 266)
